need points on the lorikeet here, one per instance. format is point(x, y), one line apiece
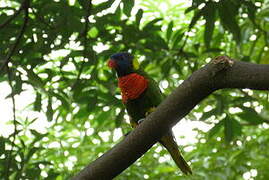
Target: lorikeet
point(140, 95)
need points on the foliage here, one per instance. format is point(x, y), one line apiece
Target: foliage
point(61, 58)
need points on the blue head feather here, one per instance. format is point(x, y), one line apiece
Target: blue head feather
point(124, 61)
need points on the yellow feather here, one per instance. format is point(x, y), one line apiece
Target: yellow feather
point(135, 64)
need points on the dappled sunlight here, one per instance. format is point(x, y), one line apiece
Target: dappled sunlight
point(68, 106)
point(117, 134)
point(250, 175)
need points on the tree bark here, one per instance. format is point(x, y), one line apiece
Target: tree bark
point(222, 72)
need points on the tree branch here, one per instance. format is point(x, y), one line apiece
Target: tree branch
point(85, 40)
point(14, 122)
point(25, 6)
point(88, 10)
point(221, 73)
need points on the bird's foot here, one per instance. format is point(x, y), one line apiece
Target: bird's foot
point(140, 121)
point(150, 111)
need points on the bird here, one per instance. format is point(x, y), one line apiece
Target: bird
point(140, 96)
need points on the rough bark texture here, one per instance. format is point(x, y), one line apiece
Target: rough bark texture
point(222, 72)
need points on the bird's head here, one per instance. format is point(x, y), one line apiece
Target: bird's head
point(123, 63)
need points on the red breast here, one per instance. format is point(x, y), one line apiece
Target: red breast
point(132, 86)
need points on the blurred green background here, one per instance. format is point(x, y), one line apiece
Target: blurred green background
point(68, 107)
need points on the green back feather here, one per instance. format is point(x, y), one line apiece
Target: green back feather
point(151, 98)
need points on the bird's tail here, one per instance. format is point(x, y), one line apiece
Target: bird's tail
point(169, 143)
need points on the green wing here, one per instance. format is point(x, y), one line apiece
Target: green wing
point(138, 108)
point(153, 92)
point(149, 99)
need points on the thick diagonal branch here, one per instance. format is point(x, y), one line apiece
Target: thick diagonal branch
point(222, 73)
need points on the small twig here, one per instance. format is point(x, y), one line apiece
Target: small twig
point(266, 121)
point(11, 17)
point(246, 94)
point(254, 45)
point(7, 8)
point(88, 13)
point(14, 121)
point(41, 19)
point(25, 6)
point(185, 41)
point(264, 32)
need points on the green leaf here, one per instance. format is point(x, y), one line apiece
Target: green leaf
point(250, 115)
point(214, 130)
point(198, 14)
point(49, 112)
point(102, 6)
point(138, 17)
point(209, 15)
point(232, 128)
point(127, 7)
point(103, 116)
point(119, 118)
point(22, 142)
point(32, 173)
point(82, 114)
point(208, 114)
point(238, 101)
point(177, 37)
point(38, 136)
point(64, 100)
point(189, 9)
point(246, 58)
point(59, 177)
point(220, 105)
point(166, 67)
point(228, 129)
point(166, 169)
point(229, 22)
point(93, 32)
point(18, 85)
point(3, 78)
point(213, 50)
point(37, 103)
point(251, 10)
point(148, 27)
point(160, 42)
point(84, 3)
point(31, 152)
point(169, 30)
point(34, 79)
point(233, 157)
point(53, 175)
point(35, 133)
point(188, 54)
point(17, 88)
point(2, 145)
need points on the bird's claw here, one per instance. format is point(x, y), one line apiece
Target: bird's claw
point(140, 120)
